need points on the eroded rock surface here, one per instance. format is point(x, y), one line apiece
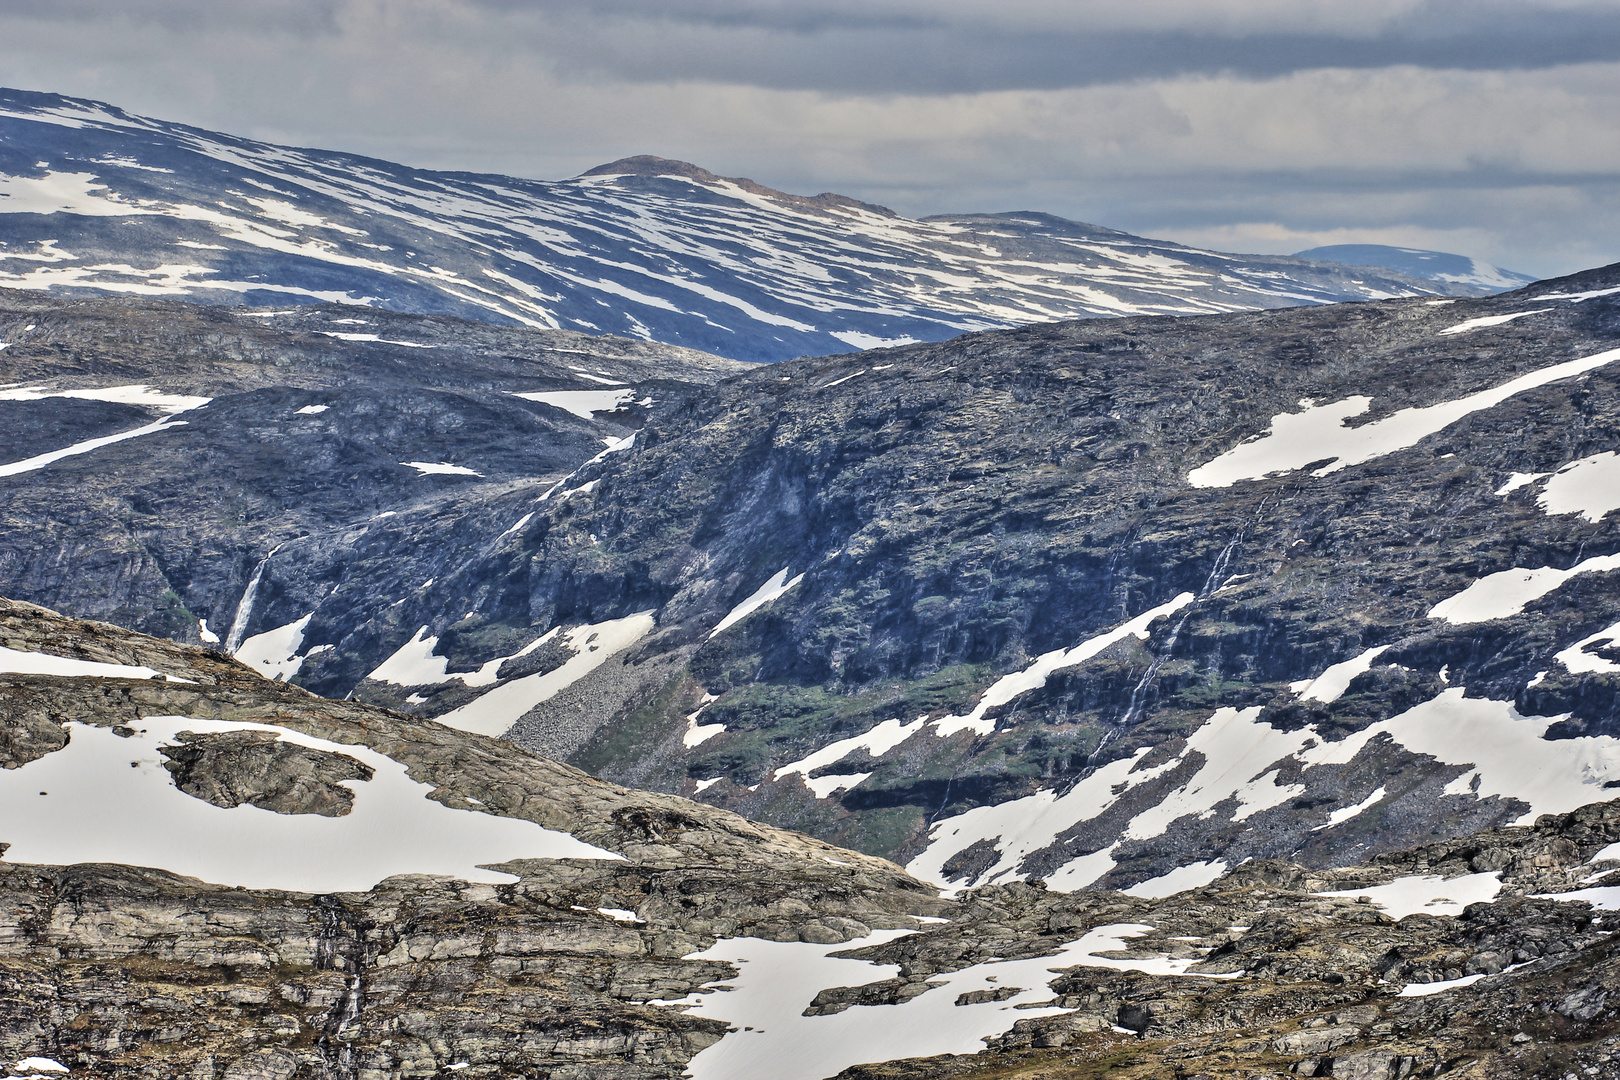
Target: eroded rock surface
point(235, 767)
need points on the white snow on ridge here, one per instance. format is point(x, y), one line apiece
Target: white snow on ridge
point(1506, 592)
point(1345, 813)
point(39, 461)
point(1035, 675)
point(768, 593)
point(440, 468)
point(697, 734)
point(494, 712)
point(13, 662)
point(99, 809)
point(1520, 479)
point(414, 663)
point(1490, 320)
point(375, 338)
point(1578, 660)
point(582, 403)
point(138, 394)
point(1589, 487)
point(134, 394)
point(877, 742)
point(1192, 876)
point(1318, 433)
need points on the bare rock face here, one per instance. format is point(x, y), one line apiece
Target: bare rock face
point(257, 767)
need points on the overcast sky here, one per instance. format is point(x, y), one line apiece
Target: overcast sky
point(1485, 127)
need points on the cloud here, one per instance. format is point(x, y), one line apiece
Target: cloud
point(1270, 124)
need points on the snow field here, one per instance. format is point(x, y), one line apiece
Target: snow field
point(274, 653)
point(440, 468)
point(1428, 894)
point(1239, 761)
point(137, 394)
point(101, 809)
point(1329, 686)
point(777, 980)
point(582, 403)
point(1489, 320)
point(1035, 675)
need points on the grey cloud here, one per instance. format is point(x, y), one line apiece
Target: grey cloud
point(1250, 124)
point(832, 48)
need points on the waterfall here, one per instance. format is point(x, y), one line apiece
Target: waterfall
point(244, 609)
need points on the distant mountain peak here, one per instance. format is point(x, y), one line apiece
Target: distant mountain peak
point(1420, 263)
point(644, 247)
point(651, 165)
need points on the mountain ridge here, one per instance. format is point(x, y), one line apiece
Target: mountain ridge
point(97, 200)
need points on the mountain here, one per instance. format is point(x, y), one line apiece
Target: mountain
point(1111, 603)
point(159, 450)
point(95, 200)
point(211, 874)
point(1415, 262)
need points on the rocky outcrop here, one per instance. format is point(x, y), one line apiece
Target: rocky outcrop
point(235, 767)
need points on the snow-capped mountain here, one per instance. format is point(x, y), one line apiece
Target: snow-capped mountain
point(1418, 262)
point(97, 200)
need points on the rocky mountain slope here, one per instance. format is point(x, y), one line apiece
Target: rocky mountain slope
point(1111, 603)
point(94, 200)
point(241, 915)
point(158, 451)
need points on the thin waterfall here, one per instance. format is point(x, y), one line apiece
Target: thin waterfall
point(244, 609)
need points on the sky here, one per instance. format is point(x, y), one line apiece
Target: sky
point(1490, 128)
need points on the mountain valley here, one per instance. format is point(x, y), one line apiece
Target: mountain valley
point(402, 676)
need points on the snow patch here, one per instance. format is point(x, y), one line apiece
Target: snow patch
point(14, 662)
point(1589, 487)
point(777, 980)
point(99, 809)
point(697, 734)
point(1332, 683)
point(1425, 989)
point(1489, 320)
point(1519, 480)
point(494, 712)
point(1428, 894)
point(1506, 592)
point(582, 403)
point(774, 587)
point(274, 653)
point(440, 468)
point(1192, 876)
point(1035, 675)
point(1318, 433)
point(1577, 660)
point(877, 742)
point(1345, 813)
